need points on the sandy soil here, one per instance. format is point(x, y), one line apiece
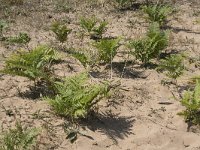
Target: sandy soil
point(141, 114)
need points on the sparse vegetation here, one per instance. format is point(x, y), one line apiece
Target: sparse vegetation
point(99, 77)
point(157, 13)
point(22, 38)
point(173, 66)
point(150, 46)
point(19, 138)
point(94, 28)
point(191, 100)
point(107, 49)
point(61, 31)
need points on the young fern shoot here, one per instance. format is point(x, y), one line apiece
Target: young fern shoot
point(173, 66)
point(191, 100)
point(18, 138)
point(157, 13)
point(150, 46)
point(61, 31)
point(93, 27)
point(22, 38)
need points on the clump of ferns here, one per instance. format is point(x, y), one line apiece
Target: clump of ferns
point(157, 13)
point(22, 38)
point(60, 30)
point(172, 66)
point(18, 138)
point(34, 64)
point(93, 27)
point(149, 47)
point(191, 101)
point(76, 96)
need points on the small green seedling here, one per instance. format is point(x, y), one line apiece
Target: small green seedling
point(191, 100)
point(61, 31)
point(18, 138)
point(107, 49)
point(22, 38)
point(94, 28)
point(173, 66)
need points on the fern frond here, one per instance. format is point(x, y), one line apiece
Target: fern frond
point(34, 64)
point(75, 96)
point(61, 31)
point(18, 138)
point(107, 49)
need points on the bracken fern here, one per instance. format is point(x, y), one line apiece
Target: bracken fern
point(150, 46)
point(191, 100)
point(76, 96)
point(61, 31)
point(173, 66)
point(18, 138)
point(157, 13)
point(34, 64)
point(107, 49)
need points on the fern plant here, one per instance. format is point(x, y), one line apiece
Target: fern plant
point(157, 13)
point(22, 38)
point(191, 100)
point(61, 31)
point(173, 66)
point(18, 138)
point(107, 49)
point(34, 64)
point(82, 57)
point(150, 46)
point(76, 96)
point(93, 27)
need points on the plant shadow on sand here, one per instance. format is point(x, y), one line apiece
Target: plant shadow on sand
point(114, 126)
point(36, 91)
point(122, 70)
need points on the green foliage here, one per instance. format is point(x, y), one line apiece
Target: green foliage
point(22, 38)
point(88, 23)
point(76, 96)
point(173, 66)
point(34, 64)
point(93, 27)
point(191, 100)
point(107, 49)
point(157, 13)
point(151, 46)
point(18, 138)
point(82, 57)
point(61, 31)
